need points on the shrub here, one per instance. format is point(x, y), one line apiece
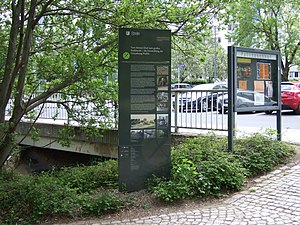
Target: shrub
point(97, 205)
point(203, 166)
point(31, 199)
point(84, 179)
point(200, 167)
point(260, 153)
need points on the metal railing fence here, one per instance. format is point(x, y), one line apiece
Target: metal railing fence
point(198, 109)
point(192, 109)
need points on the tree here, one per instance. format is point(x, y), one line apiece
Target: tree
point(271, 25)
point(198, 61)
point(70, 47)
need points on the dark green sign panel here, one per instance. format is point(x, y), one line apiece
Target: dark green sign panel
point(144, 106)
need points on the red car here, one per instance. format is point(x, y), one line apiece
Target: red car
point(290, 96)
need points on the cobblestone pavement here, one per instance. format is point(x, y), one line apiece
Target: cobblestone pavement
point(275, 199)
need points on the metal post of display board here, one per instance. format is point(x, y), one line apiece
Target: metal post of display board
point(278, 119)
point(231, 115)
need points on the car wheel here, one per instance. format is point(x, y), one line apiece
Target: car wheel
point(297, 111)
point(269, 112)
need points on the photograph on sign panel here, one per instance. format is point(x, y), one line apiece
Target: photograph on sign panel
point(149, 134)
point(162, 70)
point(269, 89)
point(243, 68)
point(142, 121)
point(162, 120)
point(162, 96)
point(162, 81)
point(263, 71)
point(242, 85)
point(162, 133)
point(162, 102)
point(136, 135)
point(162, 107)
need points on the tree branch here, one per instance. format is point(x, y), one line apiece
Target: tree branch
point(11, 55)
point(294, 52)
point(19, 107)
point(42, 97)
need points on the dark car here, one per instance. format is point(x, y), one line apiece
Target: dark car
point(290, 96)
point(201, 97)
point(207, 101)
point(247, 99)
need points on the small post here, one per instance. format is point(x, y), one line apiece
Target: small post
point(231, 114)
point(215, 52)
point(176, 108)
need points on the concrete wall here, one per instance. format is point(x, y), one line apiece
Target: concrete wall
point(106, 146)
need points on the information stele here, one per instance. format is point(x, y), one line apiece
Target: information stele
point(144, 106)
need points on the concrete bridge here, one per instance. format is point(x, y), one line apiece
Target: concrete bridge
point(105, 146)
point(45, 152)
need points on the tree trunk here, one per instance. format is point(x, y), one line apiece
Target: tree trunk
point(7, 143)
point(285, 68)
point(285, 75)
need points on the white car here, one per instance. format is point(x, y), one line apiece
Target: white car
point(177, 86)
point(204, 88)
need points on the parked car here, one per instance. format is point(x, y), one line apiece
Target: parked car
point(246, 99)
point(198, 93)
point(290, 96)
point(205, 102)
point(177, 86)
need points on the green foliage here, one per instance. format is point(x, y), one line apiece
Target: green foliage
point(87, 179)
point(260, 153)
point(74, 52)
point(203, 166)
point(70, 192)
point(29, 199)
point(257, 24)
point(66, 135)
point(99, 204)
point(199, 64)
